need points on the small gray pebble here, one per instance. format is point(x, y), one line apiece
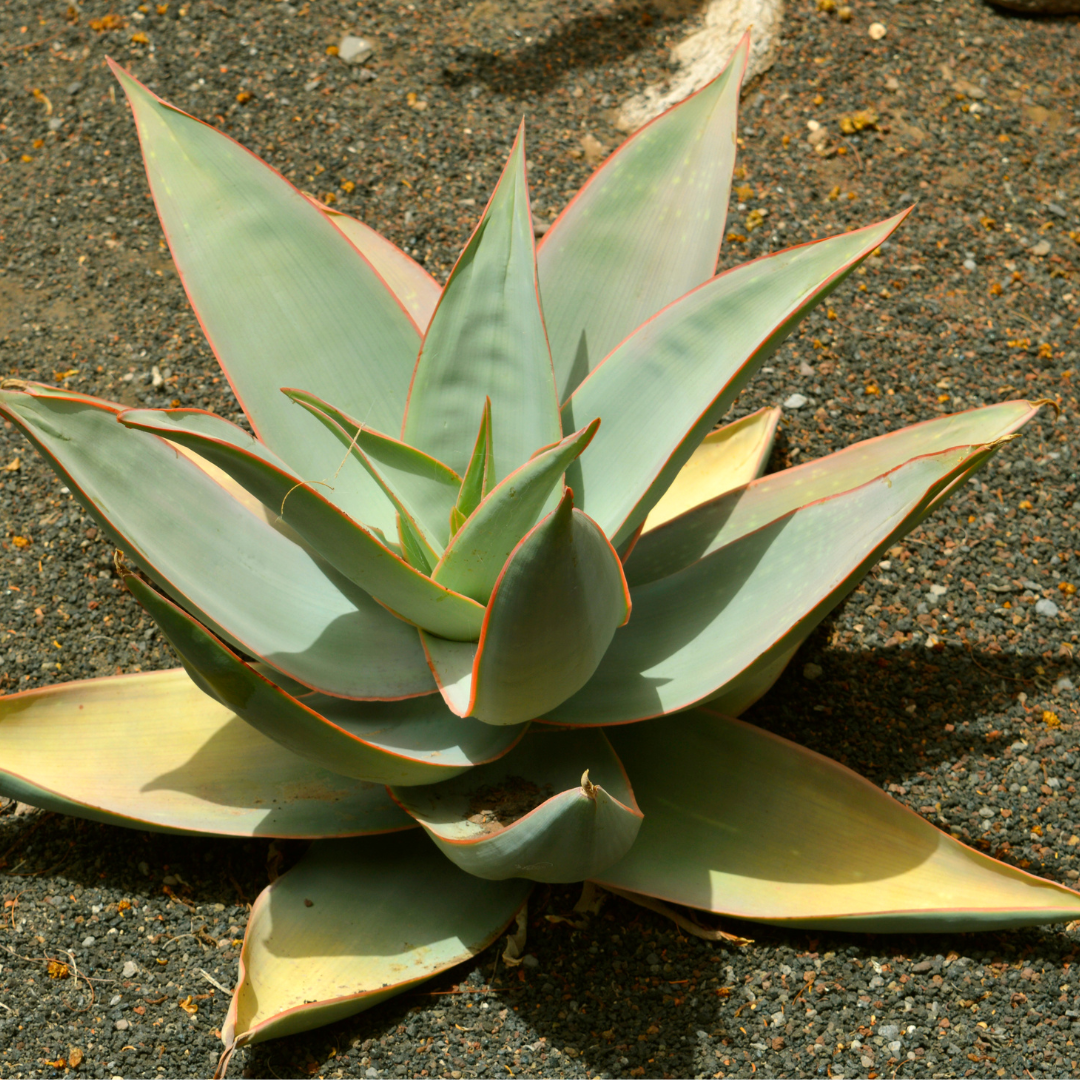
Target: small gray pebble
point(1047, 608)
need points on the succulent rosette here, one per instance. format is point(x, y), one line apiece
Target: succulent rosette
point(489, 571)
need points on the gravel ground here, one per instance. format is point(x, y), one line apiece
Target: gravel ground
point(947, 678)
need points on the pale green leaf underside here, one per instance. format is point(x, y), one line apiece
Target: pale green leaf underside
point(702, 529)
point(152, 751)
point(478, 552)
point(568, 835)
point(551, 618)
point(354, 923)
point(416, 741)
point(283, 296)
point(251, 585)
point(342, 542)
point(694, 633)
point(662, 389)
point(644, 230)
point(745, 823)
point(487, 339)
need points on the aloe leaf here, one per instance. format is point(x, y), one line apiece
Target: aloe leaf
point(345, 545)
point(415, 549)
point(478, 551)
point(479, 475)
point(423, 485)
point(280, 292)
point(727, 458)
point(414, 287)
point(694, 634)
point(152, 751)
point(645, 229)
point(487, 339)
point(534, 814)
point(551, 618)
point(451, 664)
point(689, 536)
point(260, 592)
point(416, 741)
point(745, 823)
point(354, 923)
point(663, 388)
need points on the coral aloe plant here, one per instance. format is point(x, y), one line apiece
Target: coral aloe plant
point(476, 604)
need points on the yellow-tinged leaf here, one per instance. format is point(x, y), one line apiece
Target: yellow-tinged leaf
point(726, 459)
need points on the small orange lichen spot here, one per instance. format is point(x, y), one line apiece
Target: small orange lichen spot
point(834, 194)
point(332, 50)
point(27, 157)
point(123, 905)
point(162, 8)
point(139, 39)
point(818, 99)
point(21, 541)
point(348, 187)
point(243, 97)
point(942, 398)
point(786, 140)
point(1067, 587)
point(872, 389)
point(1046, 350)
point(744, 192)
point(57, 970)
point(996, 289)
point(851, 195)
point(328, 197)
point(736, 238)
point(858, 121)
point(1018, 343)
point(1003, 137)
point(831, 314)
point(754, 220)
point(1050, 719)
point(988, 223)
point(1025, 504)
point(38, 144)
point(107, 22)
point(862, 286)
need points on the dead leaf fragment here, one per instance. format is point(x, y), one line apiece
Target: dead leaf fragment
point(858, 121)
point(57, 970)
point(188, 1005)
point(595, 150)
point(13, 466)
point(75, 1057)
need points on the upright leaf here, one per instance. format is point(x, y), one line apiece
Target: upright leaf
point(479, 476)
point(478, 551)
point(283, 296)
point(551, 618)
point(664, 387)
point(487, 339)
point(643, 231)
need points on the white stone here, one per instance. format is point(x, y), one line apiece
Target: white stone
point(354, 50)
point(1047, 608)
point(795, 401)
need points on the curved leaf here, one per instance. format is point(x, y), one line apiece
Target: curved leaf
point(476, 555)
point(694, 634)
point(645, 229)
point(701, 529)
point(664, 387)
point(426, 487)
point(260, 592)
point(351, 549)
point(152, 751)
point(354, 923)
point(417, 741)
point(534, 814)
point(727, 458)
point(414, 287)
point(487, 339)
point(282, 295)
point(745, 823)
point(551, 618)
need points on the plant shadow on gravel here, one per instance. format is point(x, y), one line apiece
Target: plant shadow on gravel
point(581, 43)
